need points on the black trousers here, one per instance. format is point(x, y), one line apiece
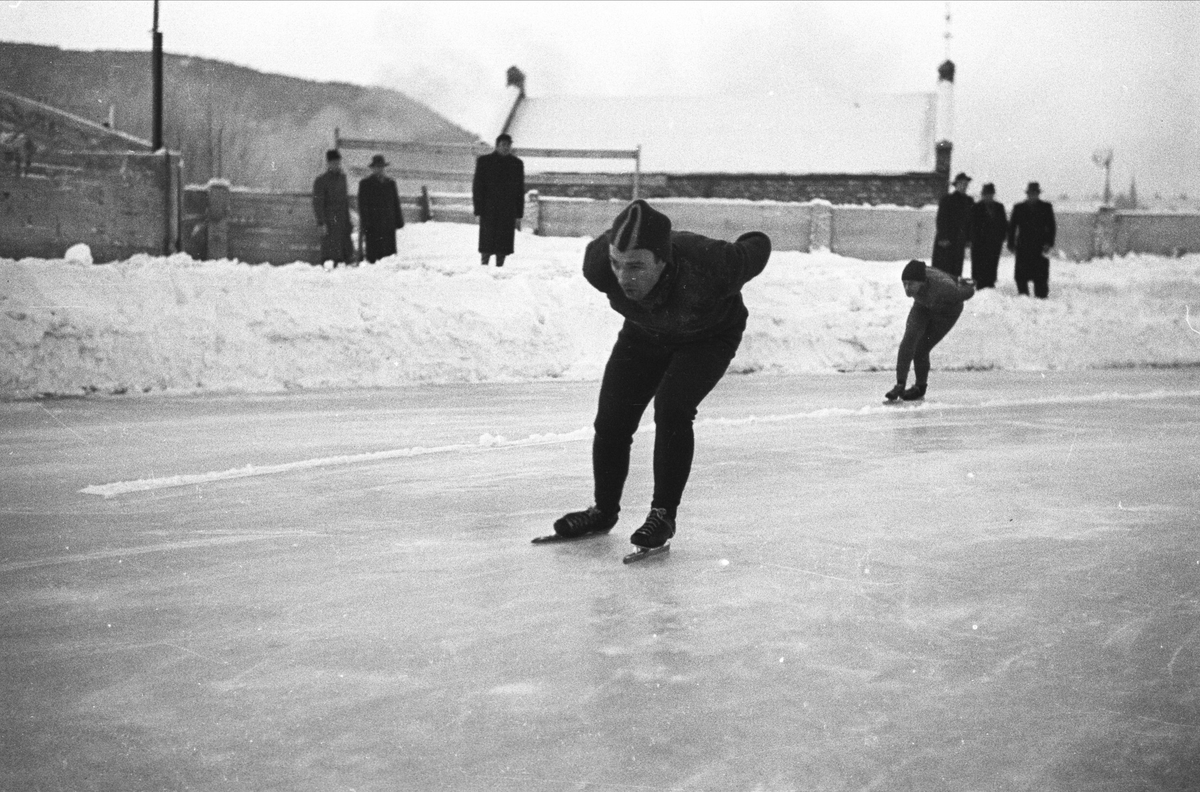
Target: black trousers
point(1032, 267)
point(928, 328)
point(949, 259)
point(336, 245)
point(379, 245)
point(676, 378)
point(984, 264)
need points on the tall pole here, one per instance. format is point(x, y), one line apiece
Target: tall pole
point(156, 59)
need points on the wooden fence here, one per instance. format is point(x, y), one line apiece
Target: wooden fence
point(449, 167)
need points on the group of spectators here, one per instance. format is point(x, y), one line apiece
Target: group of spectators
point(498, 194)
point(984, 226)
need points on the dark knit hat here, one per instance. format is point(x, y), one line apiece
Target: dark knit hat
point(913, 271)
point(332, 154)
point(639, 226)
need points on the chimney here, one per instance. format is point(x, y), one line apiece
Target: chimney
point(515, 85)
point(945, 118)
point(515, 78)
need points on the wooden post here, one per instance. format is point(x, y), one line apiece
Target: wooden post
point(533, 213)
point(424, 204)
point(821, 230)
point(218, 220)
point(637, 171)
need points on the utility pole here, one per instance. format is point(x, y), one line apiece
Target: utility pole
point(156, 60)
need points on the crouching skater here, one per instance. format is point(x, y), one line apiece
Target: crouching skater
point(937, 303)
point(680, 294)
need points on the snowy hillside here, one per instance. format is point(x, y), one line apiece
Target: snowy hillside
point(432, 314)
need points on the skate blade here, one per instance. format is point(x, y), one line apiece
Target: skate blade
point(555, 538)
point(645, 552)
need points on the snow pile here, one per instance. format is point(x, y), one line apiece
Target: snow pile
point(433, 314)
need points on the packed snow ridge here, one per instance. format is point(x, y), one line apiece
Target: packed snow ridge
point(432, 314)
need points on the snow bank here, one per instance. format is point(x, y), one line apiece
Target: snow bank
point(433, 314)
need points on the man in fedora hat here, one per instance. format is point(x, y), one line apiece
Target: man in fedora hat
point(379, 211)
point(498, 195)
point(331, 205)
point(681, 296)
point(953, 227)
point(989, 227)
point(1031, 232)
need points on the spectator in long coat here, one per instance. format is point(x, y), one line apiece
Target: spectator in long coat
point(379, 211)
point(989, 227)
point(1031, 233)
point(498, 192)
point(331, 205)
point(953, 227)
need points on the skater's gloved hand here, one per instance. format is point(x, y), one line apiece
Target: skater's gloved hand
point(894, 393)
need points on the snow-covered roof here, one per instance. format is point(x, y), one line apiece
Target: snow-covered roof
point(769, 133)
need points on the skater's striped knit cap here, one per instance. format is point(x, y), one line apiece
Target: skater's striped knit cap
point(640, 226)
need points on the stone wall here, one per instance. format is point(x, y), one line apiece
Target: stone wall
point(905, 189)
point(118, 204)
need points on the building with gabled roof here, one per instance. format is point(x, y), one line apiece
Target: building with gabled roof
point(870, 149)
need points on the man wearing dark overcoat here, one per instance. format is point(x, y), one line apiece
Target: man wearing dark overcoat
point(498, 192)
point(331, 205)
point(953, 227)
point(989, 227)
point(379, 211)
point(1031, 233)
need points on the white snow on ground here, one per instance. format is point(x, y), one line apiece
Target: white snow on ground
point(433, 314)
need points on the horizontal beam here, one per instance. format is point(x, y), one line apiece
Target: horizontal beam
point(578, 153)
point(481, 148)
point(408, 146)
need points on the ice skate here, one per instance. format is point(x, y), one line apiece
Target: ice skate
point(653, 537)
point(580, 524)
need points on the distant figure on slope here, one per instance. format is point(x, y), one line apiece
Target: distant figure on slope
point(498, 192)
point(953, 227)
point(937, 303)
point(331, 205)
point(1031, 233)
point(379, 211)
point(680, 294)
point(989, 227)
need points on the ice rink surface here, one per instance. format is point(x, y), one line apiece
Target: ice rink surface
point(996, 590)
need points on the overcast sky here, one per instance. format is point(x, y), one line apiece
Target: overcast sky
point(1040, 85)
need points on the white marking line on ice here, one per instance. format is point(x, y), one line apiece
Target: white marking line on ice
point(190, 479)
point(488, 441)
point(125, 552)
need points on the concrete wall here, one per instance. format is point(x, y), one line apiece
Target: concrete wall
point(1077, 238)
point(1161, 233)
point(882, 234)
point(902, 189)
point(788, 225)
point(118, 204)
point(872, 233)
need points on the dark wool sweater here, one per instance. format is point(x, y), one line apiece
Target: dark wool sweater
point(699, 294)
